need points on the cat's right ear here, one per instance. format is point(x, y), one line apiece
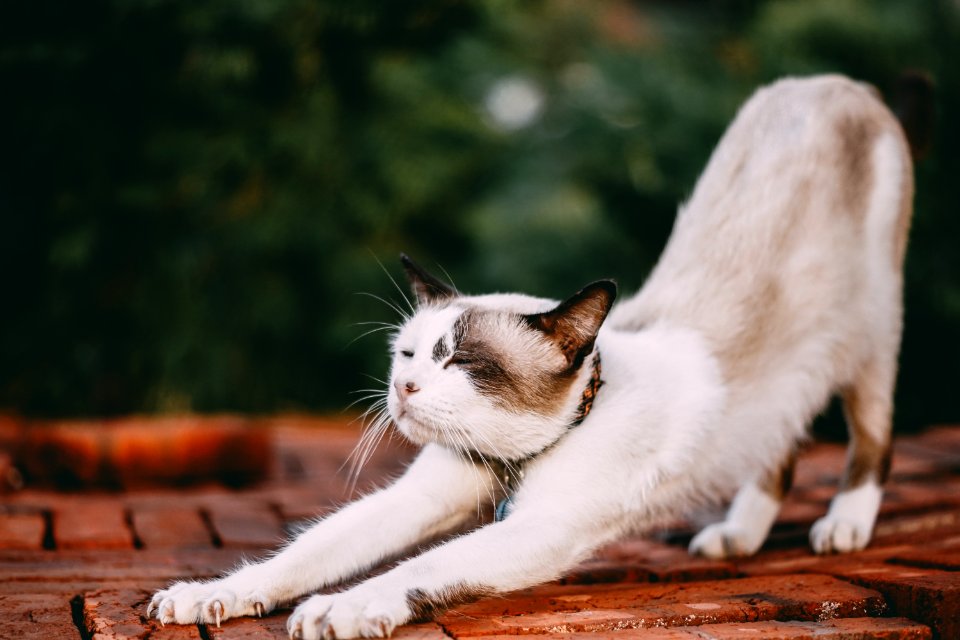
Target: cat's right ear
point(573, 325)
point(428, 288)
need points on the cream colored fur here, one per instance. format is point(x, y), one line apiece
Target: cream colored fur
point(780, 287)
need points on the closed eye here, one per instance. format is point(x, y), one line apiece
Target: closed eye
point(459, 360)
point(406, 353)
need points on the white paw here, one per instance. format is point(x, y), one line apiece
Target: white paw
point(832, 534)
point(848, 524)
point(356, 613)
point(726, 540)
point(207, 602)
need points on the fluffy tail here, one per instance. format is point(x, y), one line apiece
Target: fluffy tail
point(913, 104)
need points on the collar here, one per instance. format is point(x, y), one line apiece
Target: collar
point(589, 393)
point(511, 471)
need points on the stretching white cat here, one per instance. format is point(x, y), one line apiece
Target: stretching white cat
point(780, 286)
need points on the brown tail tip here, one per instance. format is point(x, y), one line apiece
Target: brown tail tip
point(913, 103)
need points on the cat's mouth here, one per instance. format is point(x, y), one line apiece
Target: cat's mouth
point(418, 430)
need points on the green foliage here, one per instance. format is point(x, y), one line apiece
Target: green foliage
point(194, 193)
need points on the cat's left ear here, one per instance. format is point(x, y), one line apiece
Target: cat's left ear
point(574, 323)
point(426, 287)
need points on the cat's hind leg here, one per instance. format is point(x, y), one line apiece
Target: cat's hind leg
point(748, 521)
point(868, 408)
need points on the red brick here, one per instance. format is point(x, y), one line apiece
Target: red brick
point(643, 560)
point(36, 616)
point(275, 626)
point(836, 629)
point(239, 524)
point(21, 530)
point(10, 477)
point(427, 631)
point(928, 596)
point(85, 524)
point(66, 454)
point(797, 511)
point(112, 613)
point(914, 528)
point(924, 493)
point(113, 565)
point(272, 626)
point(942, 437)
point(171, 528)
point(821, 464)
point(568, 609)
point(946, 559)
point(302, 502)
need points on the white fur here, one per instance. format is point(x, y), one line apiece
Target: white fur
point(848, 524)
point(745, 528)
point(756, 314)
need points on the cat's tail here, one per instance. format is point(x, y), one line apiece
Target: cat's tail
point(913, 104)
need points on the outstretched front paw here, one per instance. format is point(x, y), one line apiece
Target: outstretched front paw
point(352, 614)
point(206, 602)
point(727, 540)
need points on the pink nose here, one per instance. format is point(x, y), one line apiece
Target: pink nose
point(407, 388)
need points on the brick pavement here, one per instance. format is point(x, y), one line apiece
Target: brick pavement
point(82, 564)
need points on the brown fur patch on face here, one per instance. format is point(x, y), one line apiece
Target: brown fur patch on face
point(440, 350)
point(509, 362)
point(574, 324)
point(424, 606)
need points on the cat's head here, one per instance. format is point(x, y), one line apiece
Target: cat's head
point(500, 375)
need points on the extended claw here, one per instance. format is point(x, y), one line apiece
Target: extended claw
point(217, 612)
point(258, 609)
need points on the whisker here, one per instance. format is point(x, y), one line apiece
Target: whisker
point(393, 305)
point(396, 286)
point(367, 333)
point(449, 279)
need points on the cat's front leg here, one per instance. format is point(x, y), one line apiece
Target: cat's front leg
point(523, 550)
point(439, 492)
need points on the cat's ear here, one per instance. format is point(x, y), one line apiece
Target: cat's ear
point(426, 287)
point(574, 323)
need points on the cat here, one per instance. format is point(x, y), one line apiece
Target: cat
point(780, 286)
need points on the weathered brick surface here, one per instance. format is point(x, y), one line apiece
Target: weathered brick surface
point(112, 613)
point(88, 524)
point(925, 595)
point(273, 626)
point(240, 525)
point(640, 560)
point(837, 629)
point(546, 609)
point(36, 616)
point(946, 559)
point(113, 565)
point(910, 570)
point(120, 614)
point(21, 530)
point(171, 528)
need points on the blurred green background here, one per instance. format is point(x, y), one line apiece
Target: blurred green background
point(194, 192)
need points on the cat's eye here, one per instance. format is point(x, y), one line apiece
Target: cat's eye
point(406, 353)
point(460, 360)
